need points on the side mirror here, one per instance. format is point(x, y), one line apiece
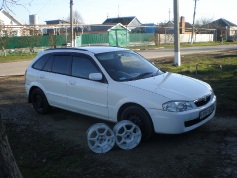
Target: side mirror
point(95, 76)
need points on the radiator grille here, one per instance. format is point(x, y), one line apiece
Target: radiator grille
point(202, 101)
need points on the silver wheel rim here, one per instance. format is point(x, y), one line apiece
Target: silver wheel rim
point(127, 134)
point(100, 138)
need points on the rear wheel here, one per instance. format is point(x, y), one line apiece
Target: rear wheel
point(139, 117)
point(40, 102)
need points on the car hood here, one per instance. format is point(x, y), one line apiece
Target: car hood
point(173, 86)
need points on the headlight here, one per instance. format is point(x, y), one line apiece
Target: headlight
point(177, 106)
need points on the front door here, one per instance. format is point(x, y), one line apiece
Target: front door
point(84, 95)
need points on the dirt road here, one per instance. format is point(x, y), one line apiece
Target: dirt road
point(55, 145)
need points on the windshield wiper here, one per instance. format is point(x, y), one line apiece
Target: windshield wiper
point(142, 75)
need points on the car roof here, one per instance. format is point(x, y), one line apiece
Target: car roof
point(93, 49)
point(101, 49)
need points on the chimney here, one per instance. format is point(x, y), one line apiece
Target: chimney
point(182, 25)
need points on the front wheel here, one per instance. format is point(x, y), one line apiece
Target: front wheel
point(39, 101)
point(141, 118)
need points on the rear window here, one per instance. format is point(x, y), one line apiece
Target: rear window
point(47, 67)
point(39, 64)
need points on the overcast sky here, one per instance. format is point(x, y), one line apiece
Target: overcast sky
point(147, 11)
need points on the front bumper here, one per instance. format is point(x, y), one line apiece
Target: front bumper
point(180, 122)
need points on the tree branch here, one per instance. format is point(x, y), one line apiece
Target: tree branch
point(6, 3)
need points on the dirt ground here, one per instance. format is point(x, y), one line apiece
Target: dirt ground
point(55, 145)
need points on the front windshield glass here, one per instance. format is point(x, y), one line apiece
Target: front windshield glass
point(127, 65)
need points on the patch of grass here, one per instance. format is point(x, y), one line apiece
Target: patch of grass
point(171, 45)
point(17, 57)
point(219, 70)
point(214, 43)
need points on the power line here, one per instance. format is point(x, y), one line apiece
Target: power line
point(43, 6)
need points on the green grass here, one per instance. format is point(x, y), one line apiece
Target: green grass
point(219, 70)
point(16, 57)
point(182, 45)
point(214, 43)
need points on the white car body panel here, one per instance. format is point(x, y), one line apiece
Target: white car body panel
point(87, 97)
point(54, 88)
point(173, 86)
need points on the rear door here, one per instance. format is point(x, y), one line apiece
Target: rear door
point(53, 79)
point(84, 95)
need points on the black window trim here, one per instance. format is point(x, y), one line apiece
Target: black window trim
point(52, 55)
point(104, 80)
point(46, 60)
point(71, 54)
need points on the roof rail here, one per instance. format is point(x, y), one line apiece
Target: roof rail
point(71, 48)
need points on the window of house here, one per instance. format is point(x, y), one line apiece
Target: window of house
point(4, 33)
point(14, 33)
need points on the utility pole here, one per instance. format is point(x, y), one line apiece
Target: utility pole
point(71, 22)
point(177, 60)
point(194, 15)
point(118, 10)
point(169, 15)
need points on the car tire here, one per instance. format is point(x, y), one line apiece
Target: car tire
point(40, 102)
point(141, 118)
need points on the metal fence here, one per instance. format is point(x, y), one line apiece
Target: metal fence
point(32, 41)
point(135, 39)
point(60, 40)
point(142, 39)
point(88, 39)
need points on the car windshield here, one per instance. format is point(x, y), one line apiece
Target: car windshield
point(127, 65)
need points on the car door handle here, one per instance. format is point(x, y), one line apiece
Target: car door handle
point(72, 82)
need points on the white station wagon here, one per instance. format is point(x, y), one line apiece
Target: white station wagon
point(116, 84)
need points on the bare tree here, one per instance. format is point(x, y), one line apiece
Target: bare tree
point(203, 22)
point(204, 25)
point(77, 18)
point(2, 40)
point(7, 3)
point(8, 166)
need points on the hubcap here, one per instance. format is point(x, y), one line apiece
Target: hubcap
point(136, 119)
point(39, 101)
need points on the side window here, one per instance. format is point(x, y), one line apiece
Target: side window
point(40, 62)
point(83, 66)
point(61, 64)
point(48, 65)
